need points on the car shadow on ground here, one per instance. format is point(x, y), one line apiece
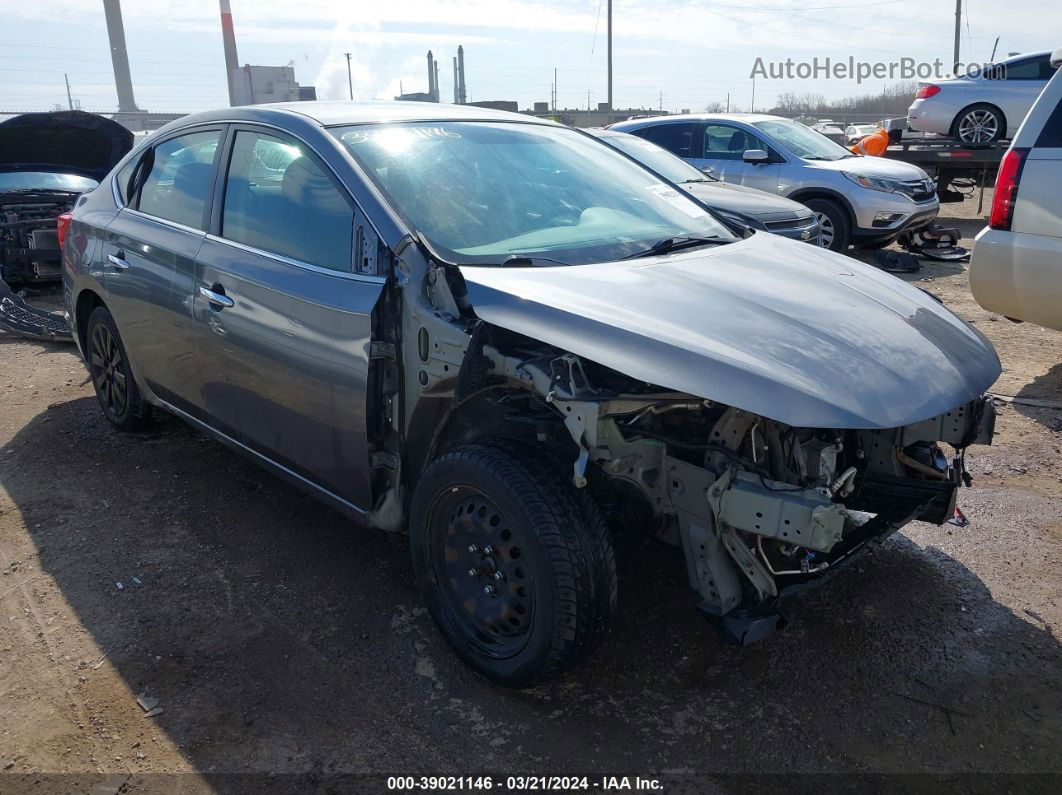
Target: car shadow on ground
point(1046, 387)
point(281, 639)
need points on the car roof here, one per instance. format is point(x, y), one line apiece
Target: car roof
point(1022, 56)
point(748, 118)
point(329, 113)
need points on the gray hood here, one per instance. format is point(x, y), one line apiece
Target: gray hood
point(776, 327)
point(754, 203)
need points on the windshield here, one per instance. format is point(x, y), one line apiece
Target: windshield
point(44, 180)
point(479, 193)
point(801, 141)
point(657, 158)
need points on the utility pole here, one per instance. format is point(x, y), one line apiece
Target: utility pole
point(350, 82)
point(609, 54)
point(727, 101)
point(228, 39)
point(554, 89)
point(69, 101)
point(958, 26)
point(588, 100)
point(661, 101)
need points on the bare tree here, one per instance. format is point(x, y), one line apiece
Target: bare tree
point(714, 107)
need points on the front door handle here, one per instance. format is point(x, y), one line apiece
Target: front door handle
point(217, 299)
point(118, 261)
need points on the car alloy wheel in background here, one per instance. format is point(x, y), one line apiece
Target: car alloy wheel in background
point(979, 125)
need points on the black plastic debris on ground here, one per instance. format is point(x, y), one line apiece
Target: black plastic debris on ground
point(935, 242)
point(20, 318)
point(896, 261)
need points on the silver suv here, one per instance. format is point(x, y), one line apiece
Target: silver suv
point(1016, 266)
point(861, 201)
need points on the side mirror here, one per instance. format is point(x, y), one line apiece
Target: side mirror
point(755, 156)
point(708, 170)
point(1056, 58)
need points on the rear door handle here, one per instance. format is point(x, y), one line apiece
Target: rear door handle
point(117, 260)
point(217, 299)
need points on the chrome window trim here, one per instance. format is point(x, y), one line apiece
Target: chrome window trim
point(164, 221)
point(358, 277)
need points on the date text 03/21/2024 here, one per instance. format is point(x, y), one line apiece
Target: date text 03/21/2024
point(523, 783)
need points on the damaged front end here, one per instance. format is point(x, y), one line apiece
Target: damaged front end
point(761, 509)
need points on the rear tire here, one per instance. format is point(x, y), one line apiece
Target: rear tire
point(979, 124)
point(836, 234)
point(516, 566)
point(112, 377)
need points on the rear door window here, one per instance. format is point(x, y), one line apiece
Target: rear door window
point(280, 199)
point(181, 178)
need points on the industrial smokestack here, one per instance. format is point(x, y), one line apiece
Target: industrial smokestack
point(455, 80)
point(431, 75)
point(461, 92)
point(436, 94)
point(228, 36)
point(123, 82)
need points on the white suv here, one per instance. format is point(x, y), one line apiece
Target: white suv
point(1016, 267)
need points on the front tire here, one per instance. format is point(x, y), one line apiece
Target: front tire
point(979, 124)
point(836, 229)
point(112, 377)
point(516, 566)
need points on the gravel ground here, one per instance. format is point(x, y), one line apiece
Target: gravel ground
point(288, 649)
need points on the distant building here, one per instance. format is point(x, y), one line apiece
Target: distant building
point(255, 85)
point(498, 104)
point(416, 96)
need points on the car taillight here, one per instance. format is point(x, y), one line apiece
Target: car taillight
point(62, 224)
point(1006, 192)
point(925, 92)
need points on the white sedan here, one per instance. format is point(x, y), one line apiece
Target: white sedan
point(982, 109)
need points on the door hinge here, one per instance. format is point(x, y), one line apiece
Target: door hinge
point(383, 350)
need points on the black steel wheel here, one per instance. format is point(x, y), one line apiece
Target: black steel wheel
point(477, 560)
point(516, 565)
point(111, 375)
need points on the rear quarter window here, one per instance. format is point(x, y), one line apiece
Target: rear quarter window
point(1051, 135)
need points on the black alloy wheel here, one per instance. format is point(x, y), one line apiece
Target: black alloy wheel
point(112, 376)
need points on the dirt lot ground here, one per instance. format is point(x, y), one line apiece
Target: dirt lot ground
point(287, 647)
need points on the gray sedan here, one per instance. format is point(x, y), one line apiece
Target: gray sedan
point(499, 335)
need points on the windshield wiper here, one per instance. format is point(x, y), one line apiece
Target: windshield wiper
point(669, 244)
point(697, 179)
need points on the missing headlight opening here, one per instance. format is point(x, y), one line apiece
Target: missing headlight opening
point(760, 509)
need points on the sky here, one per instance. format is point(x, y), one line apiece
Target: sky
point(670, 54)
